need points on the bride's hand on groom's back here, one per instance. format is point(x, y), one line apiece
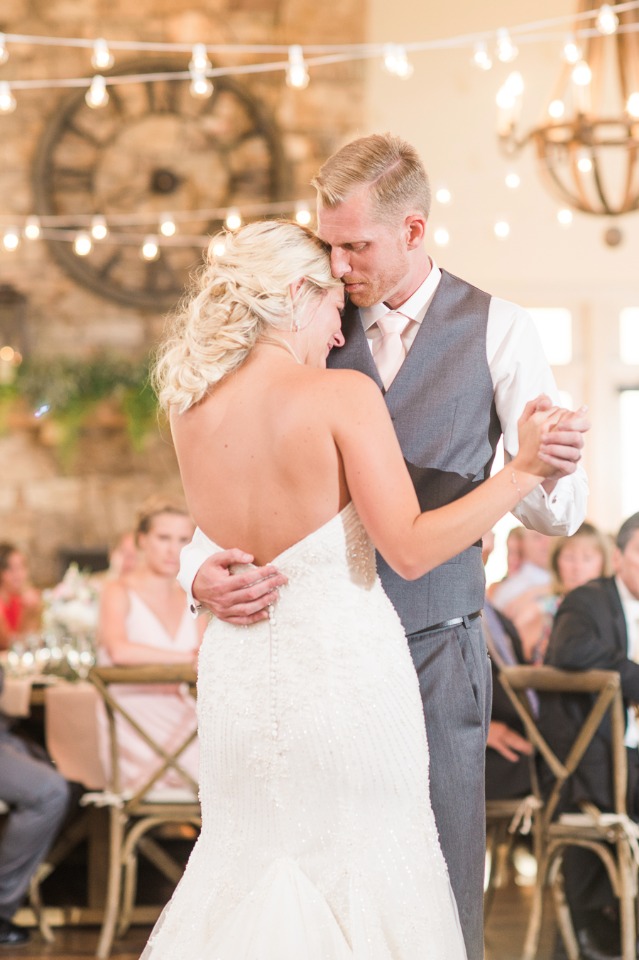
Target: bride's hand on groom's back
point(241, 597)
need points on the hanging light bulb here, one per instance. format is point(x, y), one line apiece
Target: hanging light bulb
point(513, 180)
point(443, 195)
point(607, 20)
point(99, 229)
point(581, 74)
point(632, 105)
point(32, 228)
point(102, 58)
point(584, 163)
point(233, 219)
point(564, 216)
point(556, 109)
point(302, 214)
point(571, 52)
point(200, 87)
point(296, 72)
point(199, 62)
point(502, 229)
point(4, 53)
point(167, 225)
point(481, 57)
point(7, 99)
point(150, 249)
point(506, 49)
point(219, 248)
point(97, 95)
point(396, 61)
point(11, 239)
point(82, 245)
point(441, 236)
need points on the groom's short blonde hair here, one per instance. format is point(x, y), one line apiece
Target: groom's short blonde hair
point(390, 166)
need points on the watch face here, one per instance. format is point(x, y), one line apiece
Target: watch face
point(154, 150)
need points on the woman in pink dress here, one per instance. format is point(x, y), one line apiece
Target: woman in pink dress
point(144, 618)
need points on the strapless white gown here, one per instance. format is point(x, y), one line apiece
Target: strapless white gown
point(318, 840)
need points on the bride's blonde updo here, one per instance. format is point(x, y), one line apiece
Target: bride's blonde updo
point(241, 296)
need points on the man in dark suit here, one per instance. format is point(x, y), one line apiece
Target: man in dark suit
point(38, 799)
point(597, 627)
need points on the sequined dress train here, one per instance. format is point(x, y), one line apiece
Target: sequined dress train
point(318, 839)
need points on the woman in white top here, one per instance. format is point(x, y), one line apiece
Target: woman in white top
point(144, 618)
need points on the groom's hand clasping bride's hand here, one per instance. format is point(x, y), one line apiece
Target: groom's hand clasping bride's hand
point(563, 442)
point(241, 598)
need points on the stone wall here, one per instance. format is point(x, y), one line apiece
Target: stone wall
point(47, 506)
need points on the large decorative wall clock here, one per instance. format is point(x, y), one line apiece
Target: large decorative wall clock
point(153, 149)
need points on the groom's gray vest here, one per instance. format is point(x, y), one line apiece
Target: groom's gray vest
point(443, 409)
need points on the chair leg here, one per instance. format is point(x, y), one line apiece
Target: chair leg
point(35, 901)
point(562, 912)
point(627, 904)
point(128, 895)
point(114, 885)
point(533, 931)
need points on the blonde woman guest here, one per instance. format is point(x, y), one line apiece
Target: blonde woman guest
point(576, 560)
point(318, 836)
point(144, 619)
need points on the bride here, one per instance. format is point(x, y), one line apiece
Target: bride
point(318, 839)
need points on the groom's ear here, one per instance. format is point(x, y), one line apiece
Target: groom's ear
point(415, 225)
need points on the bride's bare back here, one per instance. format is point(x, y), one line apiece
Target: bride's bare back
point(258, 459)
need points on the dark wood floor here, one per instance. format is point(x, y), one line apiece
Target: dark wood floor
point(504, 935)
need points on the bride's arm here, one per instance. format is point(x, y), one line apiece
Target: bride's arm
point(410, 541)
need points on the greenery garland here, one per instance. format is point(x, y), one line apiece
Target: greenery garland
point(67, 391)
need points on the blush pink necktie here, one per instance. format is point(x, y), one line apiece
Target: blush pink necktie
point(390, 352)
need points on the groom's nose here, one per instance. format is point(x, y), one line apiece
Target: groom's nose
point(340, 264)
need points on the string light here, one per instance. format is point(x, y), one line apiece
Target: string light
point(556, 109)
point(219, 248)
point(571, 52)
point(302, 214)
point(11, 239)
point(632, 105)
point(7, 99)
point(4, 53)
point(167, 225)
point(441, 237)
point(396, 61)
point(97, 95)
point(82, 245)
point(513, 180)
point(481, 57)
point(150, 249)
point(581, 74)
point(502, 229)
point(32, 228)
point(200, 62)
point(607, 20)
point(564, 216)
point(443, 195)
point(506, 49)
point(233, 219)
point(200, 87)
point(102, 58)
point(99, 229)
point(296, 72)
point(584, 163)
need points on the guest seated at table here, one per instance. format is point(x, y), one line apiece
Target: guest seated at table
point(514, 558)
point(597, 628)
point(37, 798)
point(575, 560)
point(144, 618)
point(521, 597)
point(20, 603)
point(507, 750)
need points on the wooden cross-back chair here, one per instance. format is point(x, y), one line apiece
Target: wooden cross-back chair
point(611, 835)
point(133, 817)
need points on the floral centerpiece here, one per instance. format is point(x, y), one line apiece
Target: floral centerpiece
point(70, 620)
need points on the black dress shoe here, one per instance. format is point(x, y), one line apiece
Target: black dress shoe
point(11, 935)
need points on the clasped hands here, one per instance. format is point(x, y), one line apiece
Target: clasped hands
point(562, 437)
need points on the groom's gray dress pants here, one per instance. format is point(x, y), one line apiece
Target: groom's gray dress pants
point(456, 687)
point(38, 798)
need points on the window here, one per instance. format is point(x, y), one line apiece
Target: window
point(629, 335)
point(629, 418)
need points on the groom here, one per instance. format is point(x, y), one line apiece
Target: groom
point(457, 367)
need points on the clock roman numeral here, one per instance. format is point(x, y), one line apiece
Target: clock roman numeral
point(72, 179)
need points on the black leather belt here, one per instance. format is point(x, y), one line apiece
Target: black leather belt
point(453, 622)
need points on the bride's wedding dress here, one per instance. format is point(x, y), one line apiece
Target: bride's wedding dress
point(318, 839)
